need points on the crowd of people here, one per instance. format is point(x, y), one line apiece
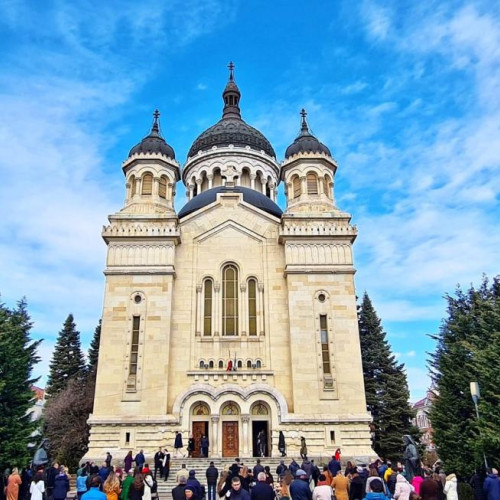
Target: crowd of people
point(381, 480)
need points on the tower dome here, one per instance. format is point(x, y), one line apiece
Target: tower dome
point(305, 141)
point(154, 142)
point(231, 128)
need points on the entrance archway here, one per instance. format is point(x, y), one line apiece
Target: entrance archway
point(260, 415)
point(200, 415)
point(230, 417)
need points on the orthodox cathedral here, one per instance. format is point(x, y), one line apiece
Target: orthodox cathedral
point(230, 318)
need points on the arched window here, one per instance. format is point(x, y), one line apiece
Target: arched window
point(204, 183)
point(312, 184)
point(239, 364)
point(252, 307)
point(221, 364)
point(326, 186)
point(249, 363)
point(230, 300)
point(258, 364)
point(207, 307)
point(147, 184)
point(245, 178)
point(162, 187)
point(211, 364)
point(202, 364)
point(296, 187)
point(217, 180)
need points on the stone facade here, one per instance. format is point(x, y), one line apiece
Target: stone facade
point(230, 282)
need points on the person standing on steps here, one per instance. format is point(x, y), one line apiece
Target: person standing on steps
point(166, 464)
point(212, 475)
point(178, 444)
point(158, 458)
point(190, 447)
point(204, 446)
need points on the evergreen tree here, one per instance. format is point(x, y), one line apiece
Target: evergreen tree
point(67, 361)
point(468, 349)
point(94, 348)
point(17, 359)
point(386, 386)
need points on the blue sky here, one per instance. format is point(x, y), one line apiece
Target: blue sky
point(405, 94)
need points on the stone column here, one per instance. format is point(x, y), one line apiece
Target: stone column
point(263, 185)
point(199, 311)
point(303, 182)
point(156, 188)
point(217, 318)
point(128, 190)
point(273, 191)
point(245, 419)
point(321, 185)
point(198, 183)
point(138, 186)
point(210, 178)
point(214, 438)
point(191, 191)
point(252, 180)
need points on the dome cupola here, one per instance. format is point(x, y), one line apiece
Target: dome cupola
point(305, 141)
point(231, 128)
point(154, 142)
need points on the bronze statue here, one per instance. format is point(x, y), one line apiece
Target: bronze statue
point(411, 458)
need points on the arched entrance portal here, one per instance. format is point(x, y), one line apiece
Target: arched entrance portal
point(261, 429)
point(200, 415)
point(230, 417)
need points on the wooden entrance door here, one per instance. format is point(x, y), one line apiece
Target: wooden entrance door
point(199, 429)
point(230, 444)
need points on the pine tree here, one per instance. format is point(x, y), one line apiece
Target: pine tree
point(386, 386)
point(17, 359)
point(67, 361)
point(468, 349)
point(94, 348)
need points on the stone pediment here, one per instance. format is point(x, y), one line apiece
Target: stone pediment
point(231, 230)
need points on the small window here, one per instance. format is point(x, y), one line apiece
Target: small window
point(210, 364)
point(249, 364)
point(258, 364)
point(332, 436)
point(221, 364)
point(296, 187)
point(162, 187)
point(312, 184)
point(202, 364)
point(325, 352)
point(147, 184)
point(127, 438)
point(240, 364)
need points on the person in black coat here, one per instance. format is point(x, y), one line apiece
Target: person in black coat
point(357, 487)
point(262, 490)
point(212, 475)
point(178, 491)
point(178, 444)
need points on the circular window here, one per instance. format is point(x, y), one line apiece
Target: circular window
point(321, 297)
point(137, 299)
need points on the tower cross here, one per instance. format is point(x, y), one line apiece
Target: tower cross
point(231, 70)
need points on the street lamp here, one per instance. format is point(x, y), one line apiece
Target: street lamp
point(474, 392)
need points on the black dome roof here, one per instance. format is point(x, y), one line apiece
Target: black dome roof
point(306, 142)
point(154, 142)
point(231, 129)
point(251, 196)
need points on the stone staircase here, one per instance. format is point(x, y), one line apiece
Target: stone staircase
point(200, 465)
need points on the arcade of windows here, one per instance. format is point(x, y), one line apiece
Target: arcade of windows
point(232, 308)
point(310, 184)
point(222, 365)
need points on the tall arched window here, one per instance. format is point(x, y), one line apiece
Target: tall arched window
point(162, 187)
point(207, 308)
point(312, 184)
point(252, 307)
point(296, 187)
point(230, 300)
point(147, 184)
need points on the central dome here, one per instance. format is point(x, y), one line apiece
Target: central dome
point(231, 131)
point(231, 128)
